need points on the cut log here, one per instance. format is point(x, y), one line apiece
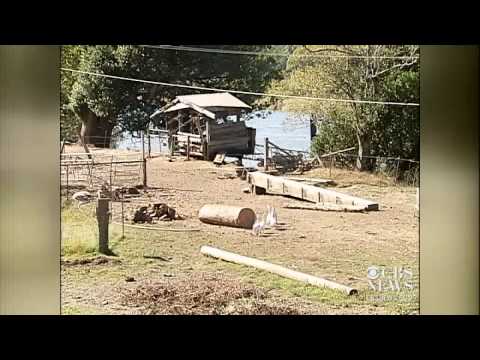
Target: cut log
point(227, 215)
point(275, 269)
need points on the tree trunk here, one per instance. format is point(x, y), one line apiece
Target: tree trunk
point(95, 131)
point(363, 162)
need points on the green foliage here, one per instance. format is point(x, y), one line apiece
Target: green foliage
point(377, 130)
point(129, 104)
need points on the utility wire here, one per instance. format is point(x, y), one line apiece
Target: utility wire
point(240, 92)
point(258, 53)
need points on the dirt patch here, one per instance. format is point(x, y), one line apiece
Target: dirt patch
point(98, 260)
point(203, 296)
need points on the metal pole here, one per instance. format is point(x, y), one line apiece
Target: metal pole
point(123, 220)
point(188, 148)
point(148, 142)
point(111, 168)
point(265, 159)
point(143, 144)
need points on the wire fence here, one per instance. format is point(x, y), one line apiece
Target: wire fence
point(402, 171)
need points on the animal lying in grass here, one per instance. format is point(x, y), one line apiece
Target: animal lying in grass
point(82, 197)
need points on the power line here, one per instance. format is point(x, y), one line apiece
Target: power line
point(258, 53)
point(240, 92)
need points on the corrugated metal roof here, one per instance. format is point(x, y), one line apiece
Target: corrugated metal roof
point(214, 100)
point(204, 101)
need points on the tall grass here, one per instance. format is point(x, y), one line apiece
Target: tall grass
point(79, 230)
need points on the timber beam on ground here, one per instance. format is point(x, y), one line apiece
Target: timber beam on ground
point(277, 185)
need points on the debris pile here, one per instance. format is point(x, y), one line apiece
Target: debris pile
point(158, 211)
point(203, 296)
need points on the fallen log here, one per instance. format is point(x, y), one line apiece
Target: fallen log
point(234, 216)
point(328, 207)
point(275, 269)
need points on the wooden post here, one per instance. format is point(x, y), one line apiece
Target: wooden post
point(159, 143)
point(331, 163)
point(67, 182)
point(105, 140)
point(188, 148)
point(396, 170)
point(172, 145)
point(102, 218)
point(144, 168)
point(265, 158)
point(143, 144)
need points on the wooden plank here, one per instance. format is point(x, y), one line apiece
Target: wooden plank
point(230, 141)
point(316, 181)
point(219, 159)
point(327, 207)
point(275, 269)
point(284, 186)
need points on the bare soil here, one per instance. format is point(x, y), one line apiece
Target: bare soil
point(337, 246)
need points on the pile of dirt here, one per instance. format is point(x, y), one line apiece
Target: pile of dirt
point(98, 260)
point(203, 296)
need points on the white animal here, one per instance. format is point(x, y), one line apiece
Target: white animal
point(258, 226)
point(271, 219)
point(83, 197)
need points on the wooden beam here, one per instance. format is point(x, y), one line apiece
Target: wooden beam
point(283, 186)
point(275, 269)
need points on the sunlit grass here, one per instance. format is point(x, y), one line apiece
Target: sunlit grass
point(80, 231)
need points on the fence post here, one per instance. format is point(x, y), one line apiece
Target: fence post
point(144, 168)
point(123, 221)
point(188, 148)
point(265, 159)
point(172, 145)
point(102, 218)
point(67, 182)
point(148, 142)
point(396, 170)
point(331, 163)
point(159, 144)
point(143, 144)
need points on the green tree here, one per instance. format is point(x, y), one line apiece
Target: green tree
point(369, 73)
point(100, 103)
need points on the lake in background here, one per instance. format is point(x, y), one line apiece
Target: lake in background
point(291, 133)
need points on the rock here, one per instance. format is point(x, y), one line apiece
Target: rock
point(246, 190)
point(129, 279)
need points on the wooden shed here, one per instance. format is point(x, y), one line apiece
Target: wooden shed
point(212, 124)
